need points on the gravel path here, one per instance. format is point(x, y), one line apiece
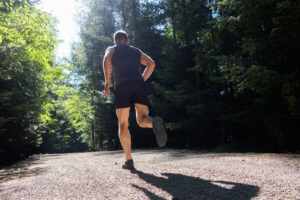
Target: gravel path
point(161, 174)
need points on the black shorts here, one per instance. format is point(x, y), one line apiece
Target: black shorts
point(128, 93)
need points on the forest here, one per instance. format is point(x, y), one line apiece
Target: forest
point(226, 76)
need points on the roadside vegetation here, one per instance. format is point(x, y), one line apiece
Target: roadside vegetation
point(227, 76)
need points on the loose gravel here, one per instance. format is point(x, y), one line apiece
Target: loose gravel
point(160, 174)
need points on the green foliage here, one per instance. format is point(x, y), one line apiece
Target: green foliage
point(226, 70)
point(27, 42)
point(226, 75)
point(65, 113)
point(96, 36)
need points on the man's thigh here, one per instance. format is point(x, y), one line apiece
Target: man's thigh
point(123, 114)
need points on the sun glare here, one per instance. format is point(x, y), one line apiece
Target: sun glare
point(67, 28)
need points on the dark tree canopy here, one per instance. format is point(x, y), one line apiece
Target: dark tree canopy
point(226, 76)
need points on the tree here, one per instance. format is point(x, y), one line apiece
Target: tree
point(96, 36)
point(226, 71)
point(27, 41)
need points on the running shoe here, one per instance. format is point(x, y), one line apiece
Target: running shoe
point(159, 130)
point(128, 165)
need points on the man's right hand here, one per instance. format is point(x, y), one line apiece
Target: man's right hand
point(106, 91)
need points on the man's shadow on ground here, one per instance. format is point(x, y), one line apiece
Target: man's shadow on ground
point(187, 187)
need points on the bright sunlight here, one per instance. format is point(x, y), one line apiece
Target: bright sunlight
point(64, 12)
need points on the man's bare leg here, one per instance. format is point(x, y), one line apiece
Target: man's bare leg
point(142, 116)
point(124, 135)
point(145, 121)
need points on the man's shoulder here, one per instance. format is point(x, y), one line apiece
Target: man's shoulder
point(110, 48)
point(109, 52)
point(136, 49)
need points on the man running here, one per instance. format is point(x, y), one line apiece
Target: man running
point(130, 89)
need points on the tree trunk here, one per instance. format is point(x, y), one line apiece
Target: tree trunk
point(93, 127)
point(124, 15)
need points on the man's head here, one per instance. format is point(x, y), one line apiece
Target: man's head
point(121, 37)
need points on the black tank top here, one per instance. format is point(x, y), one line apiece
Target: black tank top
point(126, 62)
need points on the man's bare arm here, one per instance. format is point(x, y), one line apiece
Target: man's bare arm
point(107, 68)
point(150, 65)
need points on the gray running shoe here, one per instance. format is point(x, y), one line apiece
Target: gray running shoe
point(128, 165)
point(159, 130)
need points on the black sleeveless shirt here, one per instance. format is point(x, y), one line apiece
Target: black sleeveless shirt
point(126, 62)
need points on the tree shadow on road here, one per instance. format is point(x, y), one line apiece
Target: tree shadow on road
point(22, 169)
point(187, 187)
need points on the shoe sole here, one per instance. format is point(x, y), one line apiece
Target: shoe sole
point(160, 132)
point(129, 168)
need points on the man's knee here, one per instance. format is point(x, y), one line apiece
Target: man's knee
point(123, 130)
point(123, 125)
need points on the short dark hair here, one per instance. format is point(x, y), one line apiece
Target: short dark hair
point(120, 35)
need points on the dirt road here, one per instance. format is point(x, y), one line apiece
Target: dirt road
point(161, 174)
